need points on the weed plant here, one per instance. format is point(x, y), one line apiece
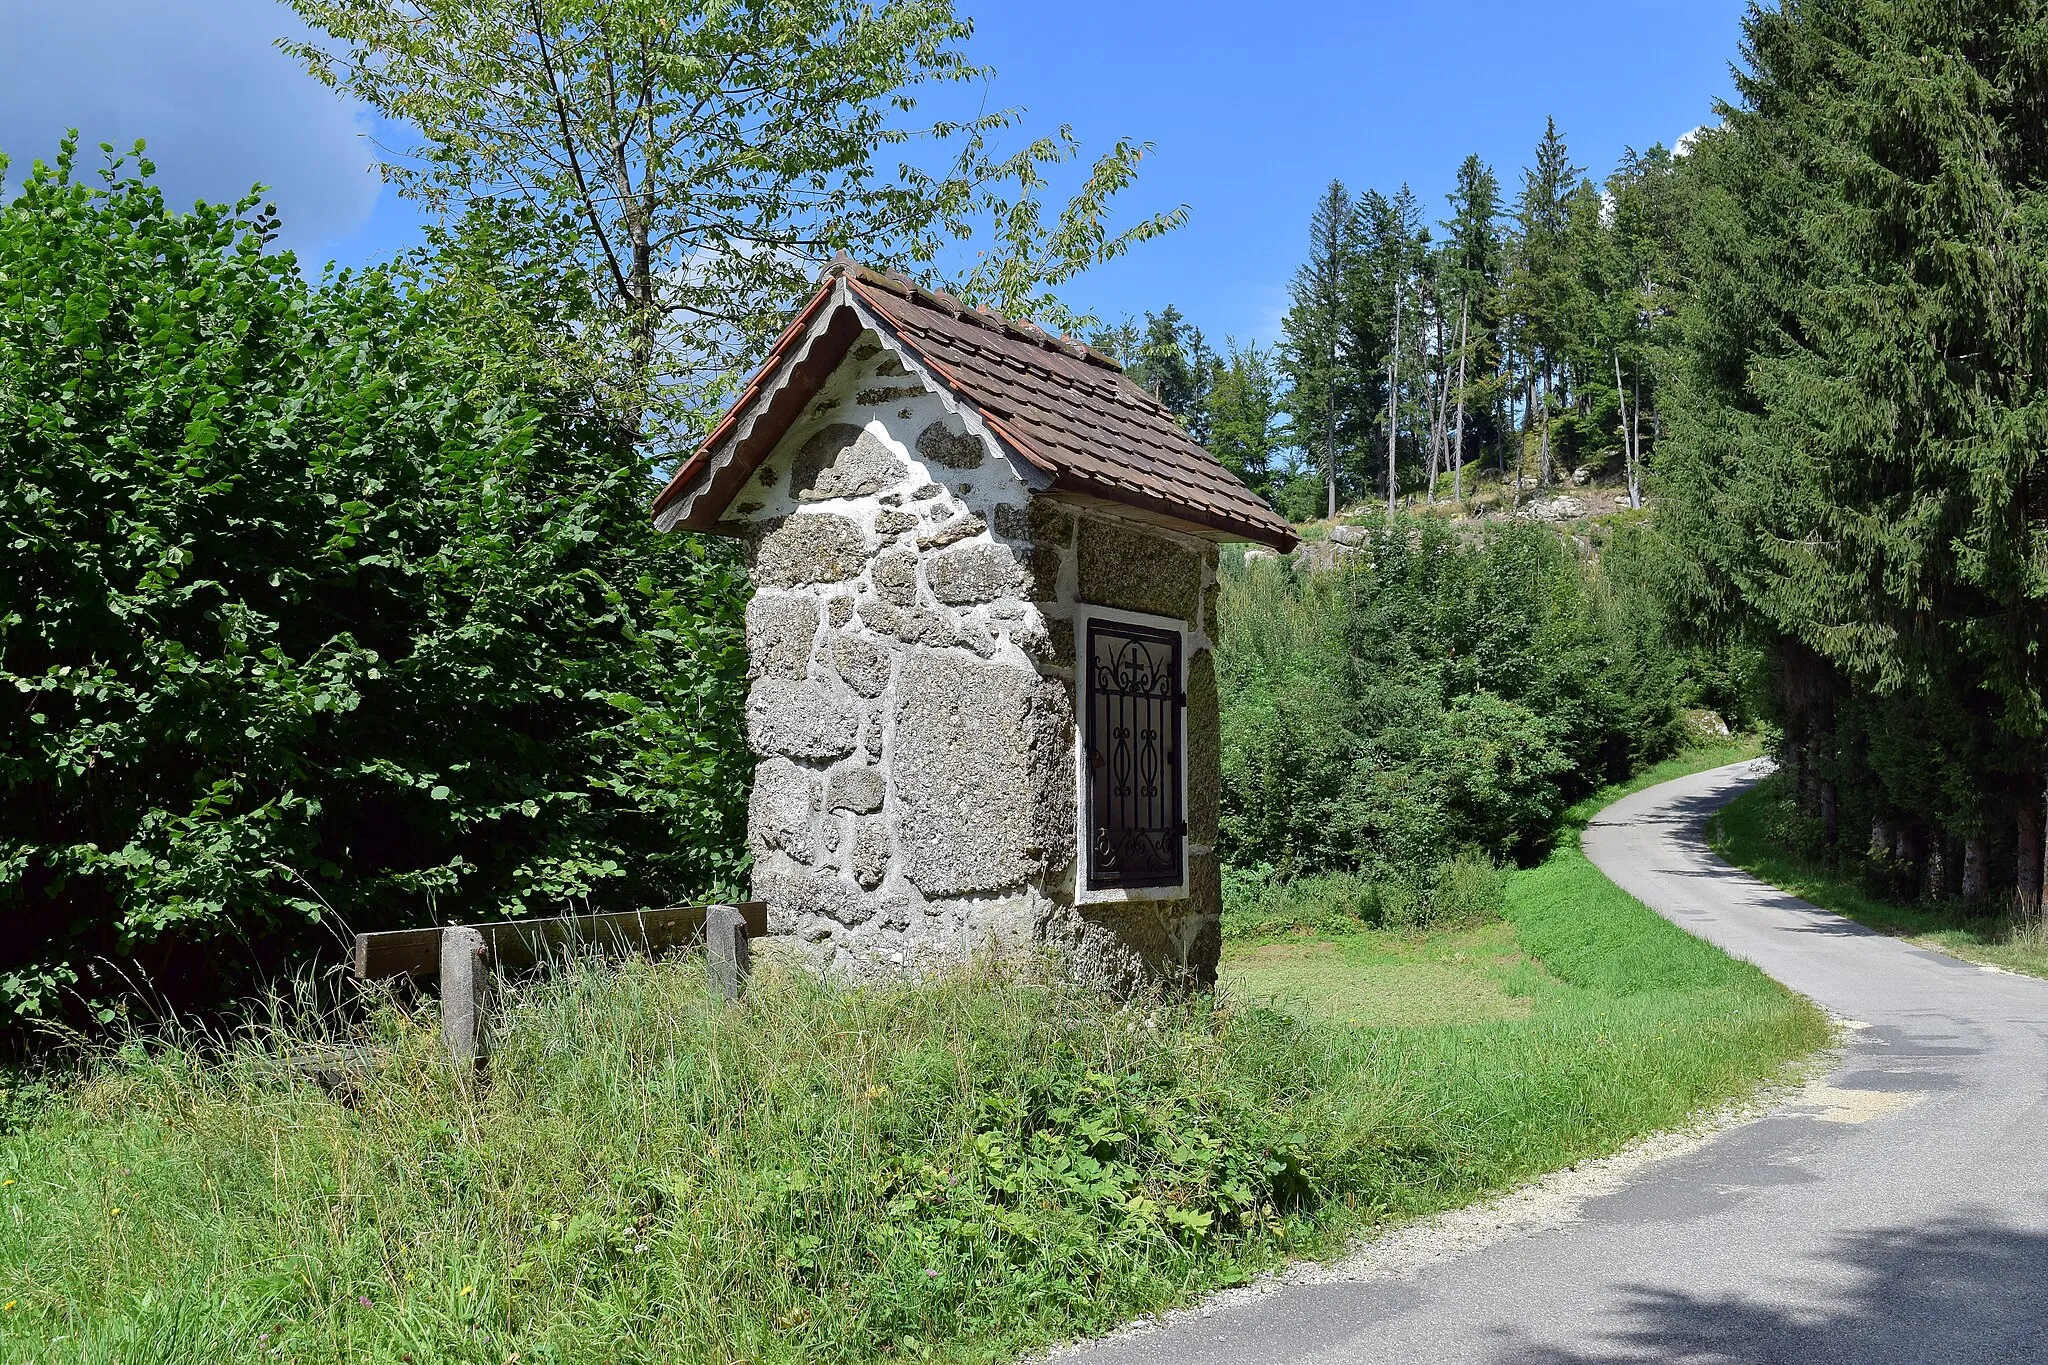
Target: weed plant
point(1468, 889)
point(644, 1173)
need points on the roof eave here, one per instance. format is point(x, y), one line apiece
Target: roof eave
point(815, 343)
point(778, 355)
point(1184, 517)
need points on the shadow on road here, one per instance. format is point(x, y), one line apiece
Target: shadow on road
point(1954, 1290)
point(1960, 1289)
point(1686, 819)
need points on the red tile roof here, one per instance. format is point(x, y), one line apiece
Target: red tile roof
point(1062, 408)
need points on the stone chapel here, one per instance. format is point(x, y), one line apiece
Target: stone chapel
point(983, 696)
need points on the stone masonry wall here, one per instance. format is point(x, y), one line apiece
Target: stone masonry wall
point(1108, 561)
point(912, 647)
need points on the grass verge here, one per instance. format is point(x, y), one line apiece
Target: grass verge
point(963, 1171)
point(1756, 833)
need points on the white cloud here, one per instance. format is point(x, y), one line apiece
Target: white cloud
point(201, 82)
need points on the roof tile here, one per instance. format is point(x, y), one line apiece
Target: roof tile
point(1079, 417)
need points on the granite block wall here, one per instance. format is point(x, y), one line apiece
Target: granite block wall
point(912, 703)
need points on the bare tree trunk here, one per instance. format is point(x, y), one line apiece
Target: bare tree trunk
point(1808, 749)
point(1913, 846)
point(2040, 896)
point(1635, 440)
point(1543, 461)
point(1830, 814)
point(1976, 866)
point(1528, 425)
point(2027, 877)
point(1458, 441)
point(1330, 460)
point(1439, 405)
point(1443, 429)
point(1393, 397)
point(1628, 454)
point(1504, 411)
point(1330, 430)
point(1435, 444)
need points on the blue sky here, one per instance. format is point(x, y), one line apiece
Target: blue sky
point(1253, 109)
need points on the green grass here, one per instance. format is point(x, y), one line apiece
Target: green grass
point(1755, 833)
point(963, 1171)
point(1388, 979)
point(1580, 1021)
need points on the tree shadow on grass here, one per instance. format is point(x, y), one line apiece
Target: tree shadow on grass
point(1964, 1288)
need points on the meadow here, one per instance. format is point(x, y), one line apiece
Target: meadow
point(962, 1171)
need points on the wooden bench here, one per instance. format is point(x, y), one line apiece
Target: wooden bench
point(462, 957)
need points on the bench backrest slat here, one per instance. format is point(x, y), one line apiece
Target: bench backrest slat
point(520, 943)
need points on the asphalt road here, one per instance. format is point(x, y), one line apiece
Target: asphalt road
point(1899, 1213)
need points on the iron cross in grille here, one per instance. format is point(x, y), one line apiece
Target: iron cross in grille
point(1134, 703)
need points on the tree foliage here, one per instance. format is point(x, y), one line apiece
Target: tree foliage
point(1431, 696)
point(304, 629)
point(1856, 462)
point(1406, 352)
point(694, 162)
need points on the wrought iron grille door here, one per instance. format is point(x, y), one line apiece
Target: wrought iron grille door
point(1134, 705)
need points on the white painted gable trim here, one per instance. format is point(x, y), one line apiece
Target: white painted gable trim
point(969, 416)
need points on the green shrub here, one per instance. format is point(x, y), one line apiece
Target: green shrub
point(301, 633)
point(1439, 690)
point(1469, 890)
point(1256, 903)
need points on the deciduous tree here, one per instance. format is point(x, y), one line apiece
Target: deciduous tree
point(696, 160)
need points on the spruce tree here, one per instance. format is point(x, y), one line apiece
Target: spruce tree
point(1473, 261)
point(1858, 419)
point(1243, 410)
point(1313, 350)
point(1541, 288)
point(1642, 275)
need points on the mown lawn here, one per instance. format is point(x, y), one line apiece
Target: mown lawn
point(959, 1172)
point(1754, 833)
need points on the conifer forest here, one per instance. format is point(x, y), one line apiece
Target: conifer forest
point(1808, 334)
point(1516, 334)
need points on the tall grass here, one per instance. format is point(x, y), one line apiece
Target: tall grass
point(1468, 889)
point(645, 1174)
point(964, 1170)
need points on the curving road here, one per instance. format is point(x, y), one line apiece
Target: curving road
point(1896, 1213)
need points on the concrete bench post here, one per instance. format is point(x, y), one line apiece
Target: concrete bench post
point(728, 955)
point(463, 957)
point(462, 993)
